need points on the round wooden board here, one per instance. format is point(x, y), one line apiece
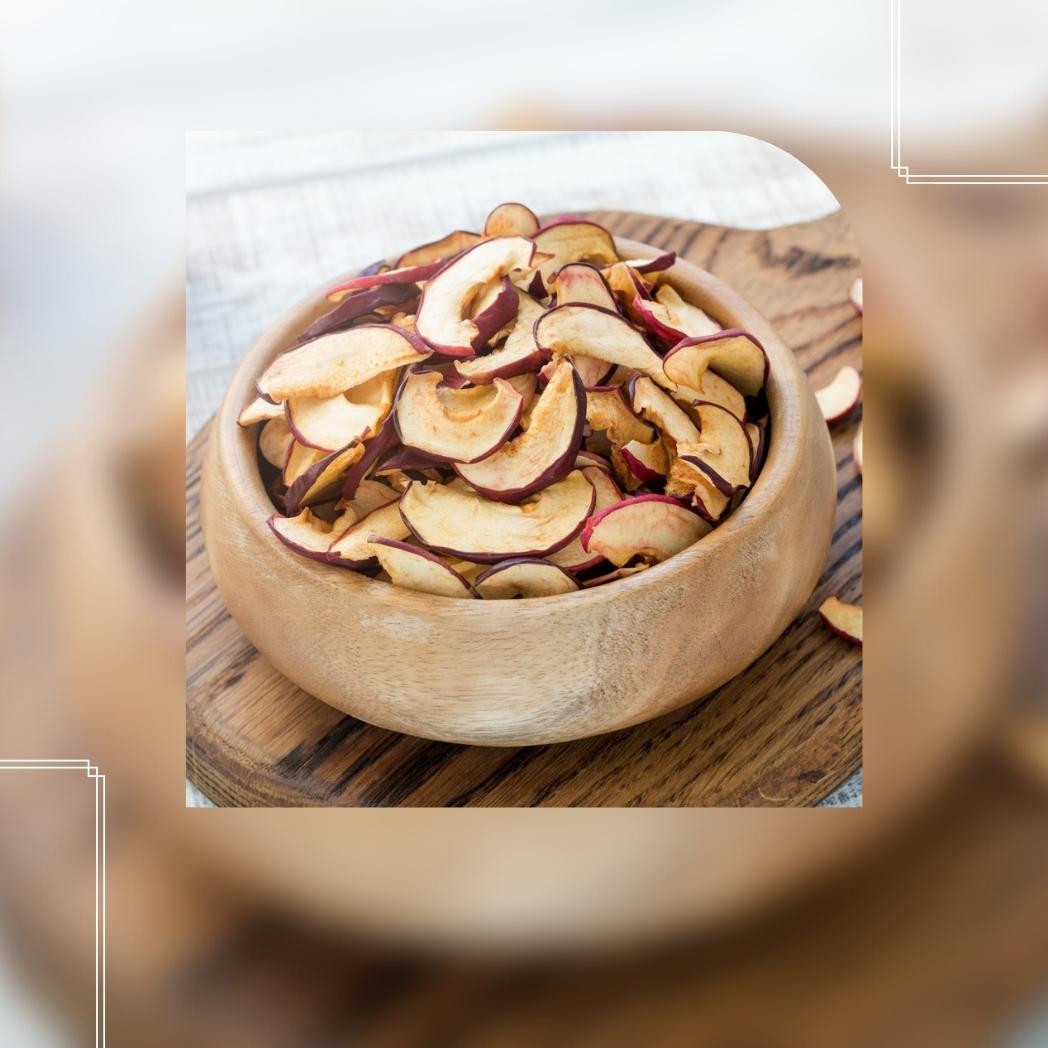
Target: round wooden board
point(787, 731)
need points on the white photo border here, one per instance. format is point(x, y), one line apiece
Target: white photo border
point(903, 170)
point(92, 772)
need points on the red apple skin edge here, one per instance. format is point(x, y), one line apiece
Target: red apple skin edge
point(593, 521)
point(407, 547)
point(642, 307)
point(356, 306)
point(319, 555)
point(715, 478)
point(720, 336)
point(640, 470)
point(374, 449)
point(407, 275)
point(657, 264)
point(840, 633)
point(512, 561)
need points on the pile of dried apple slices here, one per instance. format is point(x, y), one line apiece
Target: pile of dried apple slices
point(512, 413)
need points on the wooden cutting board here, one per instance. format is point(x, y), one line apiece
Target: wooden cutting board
point(785, 732)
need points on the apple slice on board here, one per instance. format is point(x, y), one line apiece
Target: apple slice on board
point(334, 363)
point(411, 567)
point(651, 403)
point(653, 527)
point(439, 250)
point(352, 547)
point(442, 318)
point(856, 296)
point(608, 411)
point(844, 619)
point(453, 519)
point(355, 309)
point(672, 319)
point(573, 557)
point(259, 410)
point(648, 463)
point(456, 425)
point(322, 478)
point(544, 453)
point(405, 275)
point(328, 423)
point(275, 440)
point(307, 534)
point(518, 355)
point(839, 398)
point(569, 239)
point(596, 332)
point(524, 577)
point(857, 451)
point(733, 354)
point(723, 450)
point(511, 220)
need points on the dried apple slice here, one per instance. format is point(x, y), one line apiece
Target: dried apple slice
point(275, 440)
point(455, 520)
point(648, 463)
point(355, 310)
point(569, 239)
point(856, 296)
point(857, 451)
point(456, 425)
point(442, 317)
point(517, 356)
point(413, 568)
point(588, 458)
point(439, 250)
point(259, 410)
point(652, 527)
point(596, 332)
point(672, 319)
point(352, 547)
point(494, 311)
point(524, 577)
point(844, 619)
point(651, 403)
point(328, 423)
point(758, 435)
point(307, 534)
point(374, 448)
point(723, 450)
point(627, 284)
point(608, 411)
point(322, 478)
point(687, 481)
point(511, 220)
point(370, 496)
point(733, 354)
point(334, 363)
point(544, 452)
point(658, 264)
point(298, 459)
point(405, 275)
point(573, 557)
point(714, 390)
point(838, 399)
point(581, 284)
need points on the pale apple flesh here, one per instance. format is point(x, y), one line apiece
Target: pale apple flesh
point(608, 411)
point(354, 309)
point(275, 440)
point(733, 354)
point(844, 619)
point(653, 404)
point(714, 390)
point(723, 451)
point(306, 534)
point(573, 557)
point(352, 545)
point(838, 399)
point(328, 423)
point(455, 520)
point(414, 568)
point(686, 481)
point(652, 527)
point(569, 240)
point(649, 463)
point(511, 220)
point(439, 250)
point(524, 577)
point(518, 355)
point(322, 479)
point(259, 410)
point(672, 319)
point(581, 284)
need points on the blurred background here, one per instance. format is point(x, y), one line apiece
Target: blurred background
point(927, 925)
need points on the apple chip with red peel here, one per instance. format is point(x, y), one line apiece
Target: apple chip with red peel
point(298, 459)
point(648, 463)
point(733, 354)
point(442, 318)
point(592, 372)
point(839, 398)
point(569, 239)
point(524, 577)
point(356, 309)
point(714, 390)
point(334, 363)
point(259, 410)
point(455, 520)
point(658, 264)
point(370, 495)
point(583, 459)
point(494, 311)
point(511, 220)
point(328, 423)
point(856, 296)
point(517, 356)
point(626, 284)
point(596, 332)
point(463, 425)
point(844, 619)
point(687, 481)
point(352, 547)
point(407, 275)
point(439, 250)
point(608, 411)
point(723, 450)
point(658, 407)
point(652, 527)
point(306, 534)
point(374, 448)
point(857, 451)
point(758, 436)
point(322, 479)
point(581, 284)
point(573, 557)
point(413, 568)
point(544, 453)
point(275, 440)
point(672, 319)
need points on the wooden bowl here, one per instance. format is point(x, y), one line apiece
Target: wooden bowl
point(511, 673)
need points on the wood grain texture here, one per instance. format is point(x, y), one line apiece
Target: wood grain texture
point(786, 731)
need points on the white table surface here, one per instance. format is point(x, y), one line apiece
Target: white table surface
point(270, 216)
